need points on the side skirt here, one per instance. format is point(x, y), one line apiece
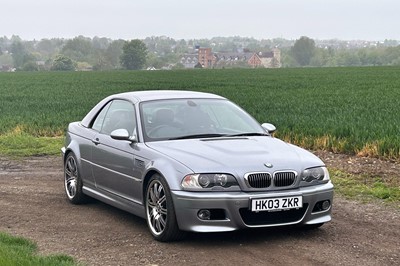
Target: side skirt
point(118, 202)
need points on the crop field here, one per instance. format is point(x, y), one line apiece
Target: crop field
point(348, 110)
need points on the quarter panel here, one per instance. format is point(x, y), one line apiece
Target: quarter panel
point(78, 140)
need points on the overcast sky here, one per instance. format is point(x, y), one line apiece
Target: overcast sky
point(187, 19)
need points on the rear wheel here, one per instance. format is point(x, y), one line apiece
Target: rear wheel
point(73, 180)
point(160, 212)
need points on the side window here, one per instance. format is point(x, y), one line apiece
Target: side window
point(120, 114)
point(98, 122)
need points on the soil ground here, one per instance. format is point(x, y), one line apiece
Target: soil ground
point(33, 205)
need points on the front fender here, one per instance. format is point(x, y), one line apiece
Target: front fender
point(172, 170)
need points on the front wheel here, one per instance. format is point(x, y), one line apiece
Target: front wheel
point(160, 212)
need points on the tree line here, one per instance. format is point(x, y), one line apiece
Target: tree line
point(84, 53)
point(79, 53)
point(304, 52)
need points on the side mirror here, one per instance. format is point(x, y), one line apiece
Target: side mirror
point(122, 134)
point(270, 128)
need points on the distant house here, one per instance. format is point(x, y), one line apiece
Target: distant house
point(268, 60)
point(207, 59)
point(7, 68)
point(189, 60)
point(232, 59)
point(40, 63)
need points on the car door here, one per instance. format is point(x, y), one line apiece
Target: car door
point(113, 160)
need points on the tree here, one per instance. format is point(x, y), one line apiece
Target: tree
point(133, 54)
point(78, 49)
point(47, 47)
point(30, 66)
point(303, 50)
point(18, 52)
point(114, 52)
point(63, 63)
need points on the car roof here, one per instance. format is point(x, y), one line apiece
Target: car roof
point(142, 96)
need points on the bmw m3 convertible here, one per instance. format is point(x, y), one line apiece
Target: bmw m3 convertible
point(191, 161)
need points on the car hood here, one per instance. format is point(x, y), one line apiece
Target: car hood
point(237, 155)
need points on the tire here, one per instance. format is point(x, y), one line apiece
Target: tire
point(73, 181)
point(160, 212)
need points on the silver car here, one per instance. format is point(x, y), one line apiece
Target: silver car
point(191, 161)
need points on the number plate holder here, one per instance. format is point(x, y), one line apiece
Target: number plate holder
point(276, 204)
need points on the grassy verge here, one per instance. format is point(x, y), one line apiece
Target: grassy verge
point(366, 188)
point(19, 144)
point(20, 251)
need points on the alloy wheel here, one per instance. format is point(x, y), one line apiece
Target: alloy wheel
point(156, 207)
point(71, 177)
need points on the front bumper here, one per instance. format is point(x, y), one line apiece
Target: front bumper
point(234, 207)
point(63, 150)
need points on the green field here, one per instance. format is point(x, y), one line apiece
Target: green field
point(20, 252)
point(348, 110)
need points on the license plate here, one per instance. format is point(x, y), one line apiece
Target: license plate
point(274, 204)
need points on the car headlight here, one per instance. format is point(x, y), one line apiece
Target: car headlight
point(316, 173)
point(208, 181)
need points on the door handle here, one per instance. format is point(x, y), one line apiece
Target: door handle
point(96, 141)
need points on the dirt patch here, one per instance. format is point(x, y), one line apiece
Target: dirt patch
point(387, 171)
point(360, 165)
point(33, 205)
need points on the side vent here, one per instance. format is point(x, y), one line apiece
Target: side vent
point(139, 163)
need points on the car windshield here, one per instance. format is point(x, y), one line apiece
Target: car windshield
point(195, 118)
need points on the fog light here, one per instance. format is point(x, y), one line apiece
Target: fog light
point(321, 206)
point(325, 205)
point(204, 214)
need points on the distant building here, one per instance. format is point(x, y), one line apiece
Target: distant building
point(40, 63)
point(268, 60)
point(7, 68)
point(232, 59)
point(189, 60)
point(207, 59)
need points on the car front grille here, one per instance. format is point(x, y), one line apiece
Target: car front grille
point(269, 218)
point(265, 180)
point(259, 180)
point(284, 179)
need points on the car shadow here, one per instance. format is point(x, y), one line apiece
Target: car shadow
point(222, 239)
point(253, 235)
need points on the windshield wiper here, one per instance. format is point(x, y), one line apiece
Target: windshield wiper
point(247, 134)
point(214, 135)
point(195, 136)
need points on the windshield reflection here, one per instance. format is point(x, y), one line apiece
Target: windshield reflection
point(195, 118)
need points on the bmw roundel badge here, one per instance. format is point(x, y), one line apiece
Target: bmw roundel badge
point(269, 165)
